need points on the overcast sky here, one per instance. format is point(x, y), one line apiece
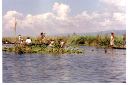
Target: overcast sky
point(62, 16)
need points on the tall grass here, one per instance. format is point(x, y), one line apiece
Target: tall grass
point(70, 41)
point(75, 40)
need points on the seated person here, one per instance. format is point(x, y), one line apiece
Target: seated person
point(62, 44)
point(51, 43)
point(28, 41)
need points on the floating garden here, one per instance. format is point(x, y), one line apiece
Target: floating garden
point(72, 43)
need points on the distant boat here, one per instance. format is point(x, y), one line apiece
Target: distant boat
point(119, 47)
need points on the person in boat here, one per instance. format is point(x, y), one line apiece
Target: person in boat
point(112, 40)
point(19, 39)
point(28, 41)
point(42, 38)
point(124, 40)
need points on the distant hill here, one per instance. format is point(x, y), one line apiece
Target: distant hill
point(117, 32)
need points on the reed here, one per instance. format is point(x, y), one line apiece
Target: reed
point(70, 41)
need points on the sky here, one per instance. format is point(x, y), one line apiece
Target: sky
point(61, 16)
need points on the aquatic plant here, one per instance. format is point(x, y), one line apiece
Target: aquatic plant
point(118, 41)
point(104, 41)
point(20, 49)
point(74, 40)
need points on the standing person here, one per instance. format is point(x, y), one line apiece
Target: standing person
point(112, 39)
point(19, 39)
point(124, 40)
point(28, 41)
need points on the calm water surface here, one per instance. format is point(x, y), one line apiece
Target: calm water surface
point(94, 66)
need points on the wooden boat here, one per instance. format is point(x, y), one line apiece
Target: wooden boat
point(119, 47)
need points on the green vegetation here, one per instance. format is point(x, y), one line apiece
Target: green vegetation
point(42, 49)
point(71, 41)
point(99, 40)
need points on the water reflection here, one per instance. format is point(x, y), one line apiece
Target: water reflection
point(93, 66)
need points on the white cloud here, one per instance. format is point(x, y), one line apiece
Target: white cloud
point(61, 9)
point(114, 4)
point(116, 10)
point(10, 17)
point(59, 21)
point(119, 16)
point(12, 14)
point(106, 22)
point(120, 3)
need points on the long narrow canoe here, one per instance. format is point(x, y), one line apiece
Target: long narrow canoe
point(119, 47)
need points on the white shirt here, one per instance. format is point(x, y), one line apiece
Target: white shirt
point(28, 41)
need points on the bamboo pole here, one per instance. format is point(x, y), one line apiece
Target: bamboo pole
point(15, 24)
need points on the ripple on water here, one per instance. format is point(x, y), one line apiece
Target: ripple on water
point(92, 66)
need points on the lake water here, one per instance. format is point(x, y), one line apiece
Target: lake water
point(94, 66)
